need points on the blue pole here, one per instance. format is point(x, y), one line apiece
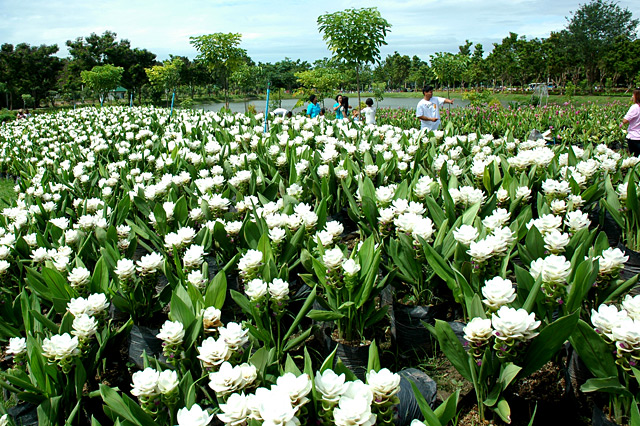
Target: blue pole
point(173, 97)
point(266, 111)
point(131, 101)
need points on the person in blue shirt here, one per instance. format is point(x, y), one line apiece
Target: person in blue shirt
point(341, 107)
point(313, 109)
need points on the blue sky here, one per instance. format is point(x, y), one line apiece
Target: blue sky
point(273, 30)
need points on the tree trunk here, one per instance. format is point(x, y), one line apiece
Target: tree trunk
point(357, 84)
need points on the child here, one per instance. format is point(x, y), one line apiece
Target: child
point(369, 112)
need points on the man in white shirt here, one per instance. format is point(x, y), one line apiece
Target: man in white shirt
point(369, 112)
point(428, 110)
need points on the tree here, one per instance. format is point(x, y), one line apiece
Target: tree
point(220, 52)
point(594, 28)
point(166, 76)
point(321, 81)
point(102, 79)
point(355, 36)
point(29, 70)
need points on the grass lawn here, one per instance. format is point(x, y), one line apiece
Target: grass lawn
point(7, 194)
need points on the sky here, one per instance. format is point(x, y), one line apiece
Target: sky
point(274, 30)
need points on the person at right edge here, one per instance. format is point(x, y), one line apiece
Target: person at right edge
point(428, 110)
point(633, 120)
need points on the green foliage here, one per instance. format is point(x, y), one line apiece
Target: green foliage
point(102, 79)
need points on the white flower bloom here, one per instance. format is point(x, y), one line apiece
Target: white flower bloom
point(279, 289)
point(555, 241)
point(213, 352)
point(277, 234)
point(631, 304)
point(60, 346)
point(330, 385)
point(196, 278)
point(167, 381)
point(611, 261)
point(480, 251)
point(79, 277)
point(235, 411)
point(234, 335)
point(145, 382)
point(171, 332)
point(255, 289)
point(193, 257)
point(251, 260)
point(384, 384)
point(84, 326)
point(606, 318)
point(125, 269)
point(211, 318)
point(195, 416)
point(333, 258)
point(353, 411)
point(465, 234)
point(498, 292)
point(149, 264)
point(17, 346)
point(296, 387)
point(351, 267)
point(627, 335)
point(553, 269)
point(478, 330)
point(334, 227)
point(576, 221)
point(96, 304)
point(510, 323)
point(275, 408)
point(226, 380)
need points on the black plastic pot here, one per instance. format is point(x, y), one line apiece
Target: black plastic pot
point(355, 358)
point(143, 339)
point(25, 414)
point(407, 326)
point(631, 266)
point(408, 408)
point(598, 418)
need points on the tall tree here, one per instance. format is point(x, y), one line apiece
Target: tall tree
point(102, 79)
point(220, 52)
point(594, 28)
point(166, 76)
point(355, 36)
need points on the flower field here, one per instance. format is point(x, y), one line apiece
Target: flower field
point(197, 269)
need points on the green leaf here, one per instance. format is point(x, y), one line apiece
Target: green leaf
point(447, 410)
point(453, 349)
point(321, 316)
point(605, 384)
point(308, 303)
point(593, 350)
point(430, 417)
point(216, 292)
point(374, 360)
point(544, 346)
point(503, 410)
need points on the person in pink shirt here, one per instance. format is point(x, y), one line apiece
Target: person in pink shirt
point(633, 120)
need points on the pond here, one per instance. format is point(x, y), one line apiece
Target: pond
point(289, 104)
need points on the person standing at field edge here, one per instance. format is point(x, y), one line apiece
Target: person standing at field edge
point(313, 109)
point(633, 120)
point(428, 110)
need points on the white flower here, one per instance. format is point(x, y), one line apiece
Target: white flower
point(167, 381)
point(465, 234)
point(4, 266)
point(226, 380)
point(296, 387)
point(384, 384)
point(277, 234)
point(250, 261)
point(632, 305)
point(145, 382)
point(498, 219)
point(351, 267)
point(275, 408)
point(149, 264)
point(576, 221)
point(211, 318)
point(606, 318)
point(330, 385)
point(553, 269)
point(279, 289)
point(325, 238)
point(193, 257)
point(611, 261)
point(555, 241)
point(256, 289)
point(234, 335)
point(172, 332)
point(510, 323)
point(213, 352)
point(627, 335)
point(498, 292)
point(353, 411)
point(480, 251)
point(195, 416)
point(333, 258)
point(4, 420)
point(196, 278)
point(334, 227)
point(523, 192)
point(235, 411)
point(60, 346)
point(84, 326)
point(478, 330)
point(79, 277)
point(96, 304)
point(17, 346)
